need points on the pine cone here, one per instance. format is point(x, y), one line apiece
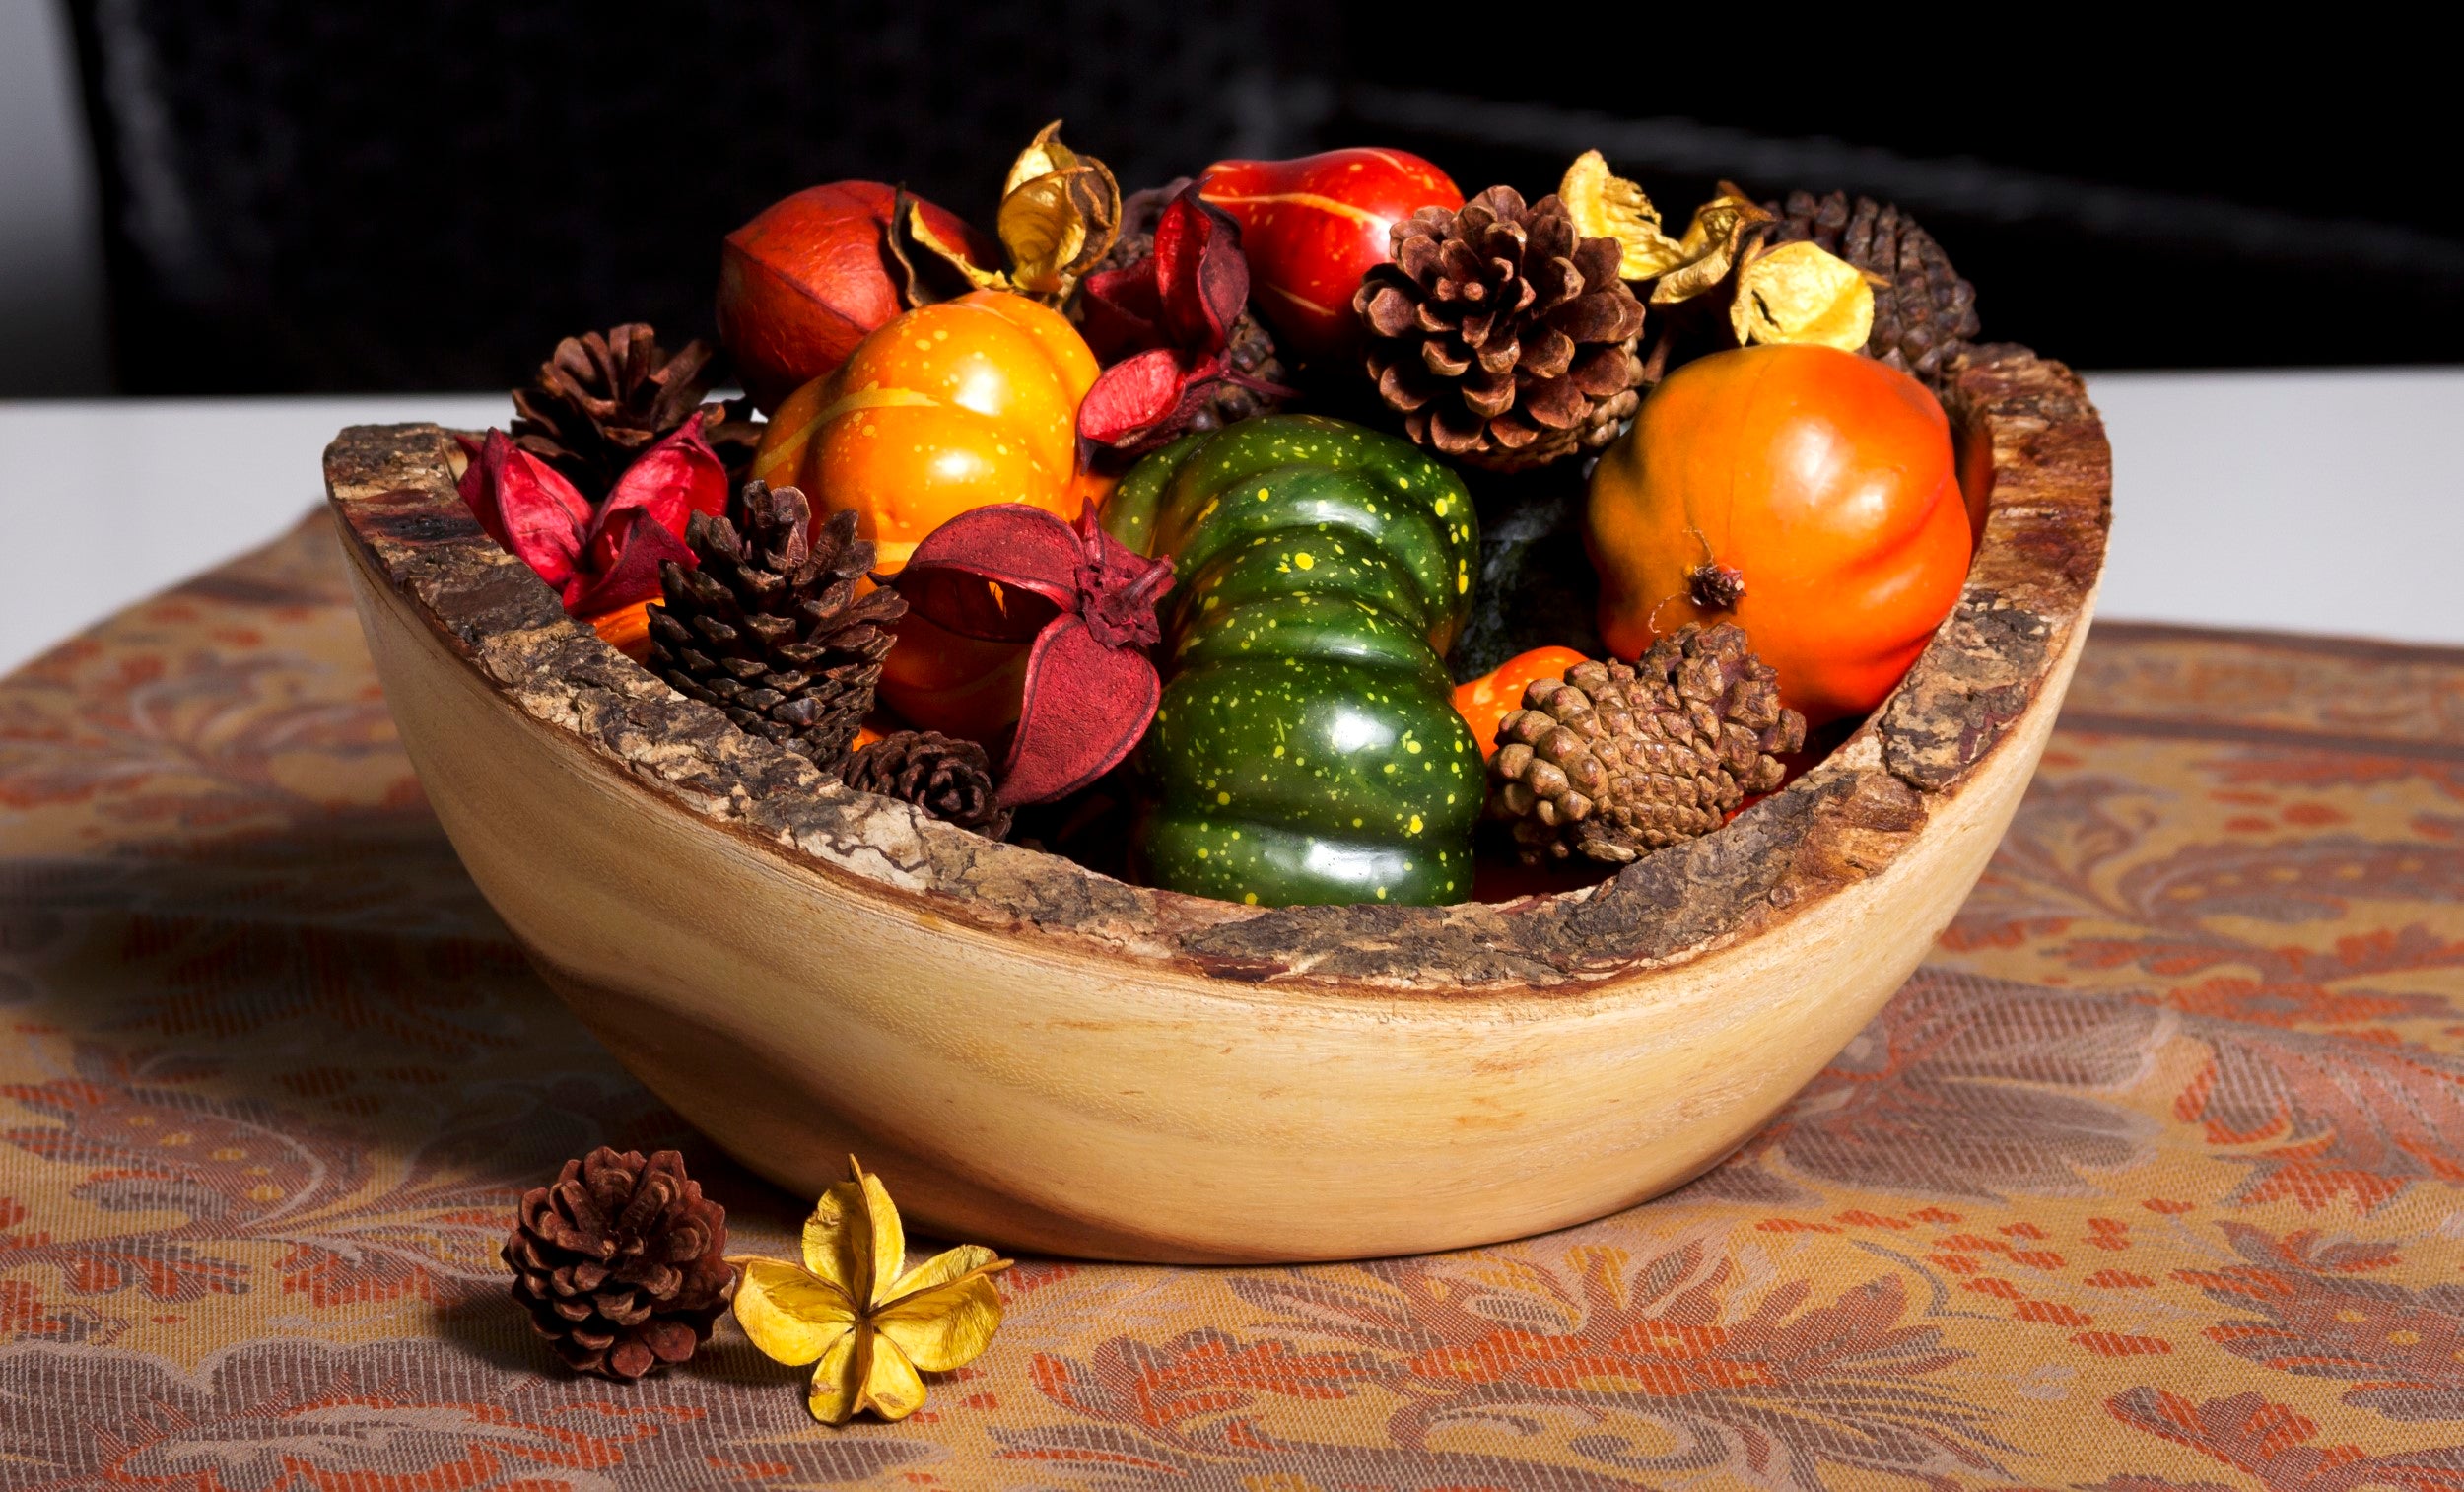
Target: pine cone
point(1925, 319)
point(770, 628)
point(620, 1262)
point(603, 400)
point(1616, 761)
point(1255, 352)
point(951, 780)
point(1503, 338)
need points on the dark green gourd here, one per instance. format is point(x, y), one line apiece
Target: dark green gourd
point(1307, 750)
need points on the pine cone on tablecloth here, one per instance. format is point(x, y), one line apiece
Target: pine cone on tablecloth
point(770, 628)
point(1504, 338)
point(1925, 319)
point(604, 399)
point(1614, 762)
point(951, 780)
point(620, 1262)
point(1255, 352)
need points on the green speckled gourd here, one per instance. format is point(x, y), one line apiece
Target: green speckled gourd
point(1307, 750)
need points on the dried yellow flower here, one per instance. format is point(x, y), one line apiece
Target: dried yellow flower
point(1709, 247)
point(869, 1329)
point(1605, 206)
point(1060, 214)
point(1060, 211)
point(1802, 292)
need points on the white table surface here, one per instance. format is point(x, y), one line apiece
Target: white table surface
point(2308, 501)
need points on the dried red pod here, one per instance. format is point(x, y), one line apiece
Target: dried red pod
point(1009, 573)
point(815, 273)
point(1164, 324)
point(598, 559)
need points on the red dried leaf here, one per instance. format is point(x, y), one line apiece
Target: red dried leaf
point(672, 481)
point(1164, 325)
point(604, 558)
point(527, 507)
point(1135, 396)
point(1120, 312)
point(1090, 689)
point(1085, 708)
point(1201, 277)
point(637, 544)
point(1010, 544)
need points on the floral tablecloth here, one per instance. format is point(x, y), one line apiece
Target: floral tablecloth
point(2152, 1179)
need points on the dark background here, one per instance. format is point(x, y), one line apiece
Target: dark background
point(426, 195)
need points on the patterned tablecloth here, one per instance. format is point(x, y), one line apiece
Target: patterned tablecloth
point(2152, 1179)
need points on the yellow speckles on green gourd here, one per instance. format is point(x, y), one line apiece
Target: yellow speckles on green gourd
point(1322, 569)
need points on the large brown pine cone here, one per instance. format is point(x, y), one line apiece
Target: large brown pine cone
point(1254, 350)
point(771, 629)
point(1614, 762)
point(1504, 338)
point(620, 1262)
point(1925, 316)
point(604, 399)
point(951, 780)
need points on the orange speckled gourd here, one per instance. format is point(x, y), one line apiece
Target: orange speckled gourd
point(948, 407)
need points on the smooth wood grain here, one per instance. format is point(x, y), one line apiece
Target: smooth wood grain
point(1098, 1070)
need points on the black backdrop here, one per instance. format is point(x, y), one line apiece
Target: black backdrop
point(426, 195)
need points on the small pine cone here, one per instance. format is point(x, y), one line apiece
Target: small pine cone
point(1503, 338)
point(951, 780)
point(1613, 762)
point(621, 1263)
point(604, 399)
point(771, 629)
point(1254, 351)
point(1926, 317)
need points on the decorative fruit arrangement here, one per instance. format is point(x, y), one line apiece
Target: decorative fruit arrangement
point(1050, 532)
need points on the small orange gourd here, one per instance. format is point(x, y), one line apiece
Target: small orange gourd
point(1483, 703)
point(948, 407)
point(1809, 495)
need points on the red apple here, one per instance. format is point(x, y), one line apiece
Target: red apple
point(1313, 226)
point(811, 276)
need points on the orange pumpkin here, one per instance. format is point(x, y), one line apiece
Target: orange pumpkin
point(1809, 495)
point(948, 407)
point(1483, 701)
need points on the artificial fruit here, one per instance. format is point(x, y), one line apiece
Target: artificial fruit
point(1809, 495)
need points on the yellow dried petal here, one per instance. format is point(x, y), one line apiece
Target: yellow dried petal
point(789, 1314)
point(1709, 247)
point(839, 1380)
point(1042, 231)
point(1605, 206)
point(945, 1327)
point(1044, 154)
point(953, 254)
point(891, 1387)
point(889, 1235)
point(944, 1267)
point(1802, 293)
point(1060, 214)
point(855, 1239)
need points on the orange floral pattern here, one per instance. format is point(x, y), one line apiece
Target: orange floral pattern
point(2151, 1181)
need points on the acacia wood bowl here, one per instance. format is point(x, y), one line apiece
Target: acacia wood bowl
point(1038, 1056)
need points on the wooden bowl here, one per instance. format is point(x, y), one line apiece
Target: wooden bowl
point(1040, 1058)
